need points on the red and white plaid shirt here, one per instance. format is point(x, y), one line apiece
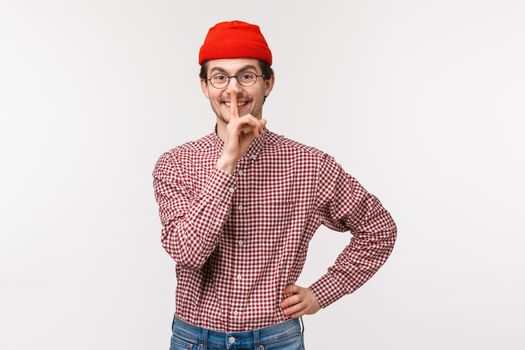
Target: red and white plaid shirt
point(239, 239)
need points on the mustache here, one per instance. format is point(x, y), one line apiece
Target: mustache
point(240, 98)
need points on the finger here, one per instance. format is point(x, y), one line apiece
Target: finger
point(294, 299)
point(252, 121)
point(291, 289)
point(249, 124)
point(234, 111)
point(295, 309)
point(299, 314)
point(258, 123)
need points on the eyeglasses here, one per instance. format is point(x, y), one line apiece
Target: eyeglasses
point(246, 79)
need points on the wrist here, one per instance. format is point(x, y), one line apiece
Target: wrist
point(226, 164)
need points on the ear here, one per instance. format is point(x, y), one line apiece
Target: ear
point(268, 85)
point(204, 87)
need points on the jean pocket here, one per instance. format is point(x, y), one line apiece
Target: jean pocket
point(182, 344)
point(291, 343)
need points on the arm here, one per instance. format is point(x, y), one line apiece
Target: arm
point(344, 205)
point(191, 222)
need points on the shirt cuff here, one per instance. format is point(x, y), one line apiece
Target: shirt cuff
point(221, 185)
point(326, 290)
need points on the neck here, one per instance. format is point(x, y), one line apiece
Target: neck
point(220, 130)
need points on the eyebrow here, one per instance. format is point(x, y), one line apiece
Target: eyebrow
point(222, 70)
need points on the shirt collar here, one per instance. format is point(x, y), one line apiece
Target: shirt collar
point(253, 150)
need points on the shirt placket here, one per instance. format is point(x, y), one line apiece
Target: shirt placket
point(239, 278)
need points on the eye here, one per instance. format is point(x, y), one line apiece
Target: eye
point(247, 77)
point(219, 77)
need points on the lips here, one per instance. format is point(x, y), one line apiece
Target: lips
point(239, 103)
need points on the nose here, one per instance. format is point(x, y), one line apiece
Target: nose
point(233, 86)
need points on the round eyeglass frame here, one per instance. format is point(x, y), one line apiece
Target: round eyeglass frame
point(236, 77)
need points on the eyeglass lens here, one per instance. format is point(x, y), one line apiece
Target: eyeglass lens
point(246, 79)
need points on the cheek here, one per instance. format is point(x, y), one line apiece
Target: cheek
point(214, 97)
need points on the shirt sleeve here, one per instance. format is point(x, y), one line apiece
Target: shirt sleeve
point(342, 204)
point(191, 222)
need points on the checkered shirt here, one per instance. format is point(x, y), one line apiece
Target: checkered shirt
point(239, 239)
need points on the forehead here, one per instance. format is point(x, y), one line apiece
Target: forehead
point(232, 65)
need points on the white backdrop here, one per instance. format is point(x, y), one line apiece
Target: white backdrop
point(422, 101)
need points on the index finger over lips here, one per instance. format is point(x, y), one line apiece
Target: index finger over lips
point(234, 111)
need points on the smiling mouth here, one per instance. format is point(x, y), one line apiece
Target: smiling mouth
point(239, 103)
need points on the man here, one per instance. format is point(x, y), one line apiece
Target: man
point(239, 206)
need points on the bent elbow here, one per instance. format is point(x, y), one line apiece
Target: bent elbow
point(189, 263)
point(393, 232)
point(183, 256)
point(391, 236)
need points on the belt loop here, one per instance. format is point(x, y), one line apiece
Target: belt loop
point(256, 339)
point(205, 338)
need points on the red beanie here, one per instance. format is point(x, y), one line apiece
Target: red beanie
point(235, 39)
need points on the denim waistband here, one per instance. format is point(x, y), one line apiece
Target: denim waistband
point(237, 340)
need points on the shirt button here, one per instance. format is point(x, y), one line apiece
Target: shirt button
point(240, 243)
point(236, 313)
point(232, 189)
point(241, 207)
point(239, 277)
point(254, 157)
point(241, 172)
point(231, 340)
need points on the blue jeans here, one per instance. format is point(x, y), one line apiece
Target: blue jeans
point(283, 336)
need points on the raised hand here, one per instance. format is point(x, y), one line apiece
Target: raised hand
point(240, 132)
